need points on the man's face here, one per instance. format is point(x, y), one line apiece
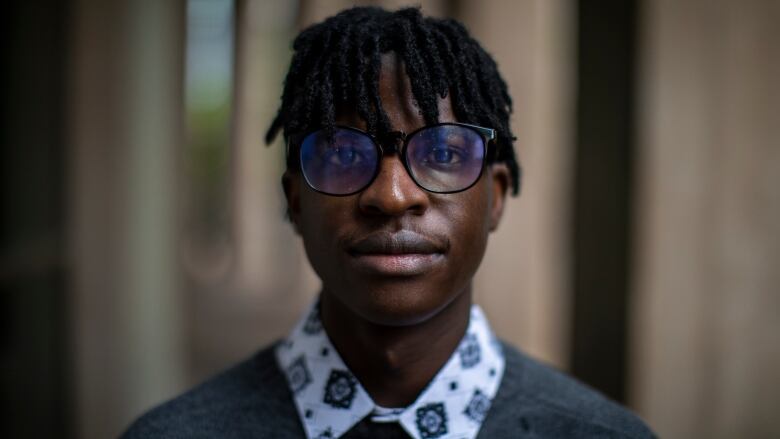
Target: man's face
point(395, 254)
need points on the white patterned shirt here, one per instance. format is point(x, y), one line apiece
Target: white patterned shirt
point(330, 400)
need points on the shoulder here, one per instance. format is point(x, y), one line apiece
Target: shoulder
point(251, 399)
point(536, 397)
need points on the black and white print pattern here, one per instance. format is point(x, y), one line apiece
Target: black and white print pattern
point(326, 434)
point(432, 420)
point(469, 351)
point(298, 375)
point(340, 389)
point(313, 323)
point(330, 400)
point(478, 407)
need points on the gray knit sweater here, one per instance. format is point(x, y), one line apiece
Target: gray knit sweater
point(251, 400)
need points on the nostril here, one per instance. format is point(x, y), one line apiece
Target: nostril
point(371, 209)
point(390, 205)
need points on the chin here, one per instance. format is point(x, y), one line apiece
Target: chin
point(400, 304)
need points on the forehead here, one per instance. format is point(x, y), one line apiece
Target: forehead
point(397, 97)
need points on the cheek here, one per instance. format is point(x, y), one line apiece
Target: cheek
point(320, 221)
point(320, 212)
point(470, 223)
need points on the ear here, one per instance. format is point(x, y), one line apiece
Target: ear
point(291, 184)
point(499, 184)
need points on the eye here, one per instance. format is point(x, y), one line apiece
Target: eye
point(444, 155)
point(344, 155)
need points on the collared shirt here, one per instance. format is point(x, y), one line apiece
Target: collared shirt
point(330, 400)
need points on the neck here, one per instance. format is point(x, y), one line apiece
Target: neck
point(395, 363)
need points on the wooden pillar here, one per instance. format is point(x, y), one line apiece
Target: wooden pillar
point(524, 279)
point(602, 192)
point(707, 336)
point(124, 102)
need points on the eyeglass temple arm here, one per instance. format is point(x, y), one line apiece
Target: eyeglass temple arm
point(489, 134)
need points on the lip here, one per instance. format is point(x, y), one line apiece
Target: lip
point(403, 253)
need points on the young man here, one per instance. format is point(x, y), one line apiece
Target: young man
point(399, 159)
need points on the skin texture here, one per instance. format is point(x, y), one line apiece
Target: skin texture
point(393, 329)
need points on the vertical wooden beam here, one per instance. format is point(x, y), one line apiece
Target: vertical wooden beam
point(124, 103)
point(602, 191)
point(523, 280)
point(706, 332)
point(35, 391)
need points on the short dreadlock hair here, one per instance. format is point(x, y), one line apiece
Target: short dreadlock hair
point(337, 62)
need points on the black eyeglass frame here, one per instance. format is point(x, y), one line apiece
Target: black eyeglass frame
point(390, 141)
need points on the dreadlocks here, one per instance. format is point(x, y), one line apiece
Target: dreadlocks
point(337, 63)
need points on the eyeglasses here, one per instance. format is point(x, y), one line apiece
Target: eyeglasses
point(444, 158)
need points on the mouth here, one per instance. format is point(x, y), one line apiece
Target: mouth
point(403, 253)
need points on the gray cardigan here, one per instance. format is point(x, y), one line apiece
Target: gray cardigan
point(252, 400)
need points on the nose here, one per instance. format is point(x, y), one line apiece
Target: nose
point(393, 192)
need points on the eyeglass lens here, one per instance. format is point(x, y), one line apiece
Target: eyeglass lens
point(442, 158)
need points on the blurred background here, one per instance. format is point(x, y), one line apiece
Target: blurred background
point(144, 245)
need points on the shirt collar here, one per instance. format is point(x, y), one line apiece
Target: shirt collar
point(330, 400)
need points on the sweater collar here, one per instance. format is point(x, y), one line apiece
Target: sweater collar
point(330, 400)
